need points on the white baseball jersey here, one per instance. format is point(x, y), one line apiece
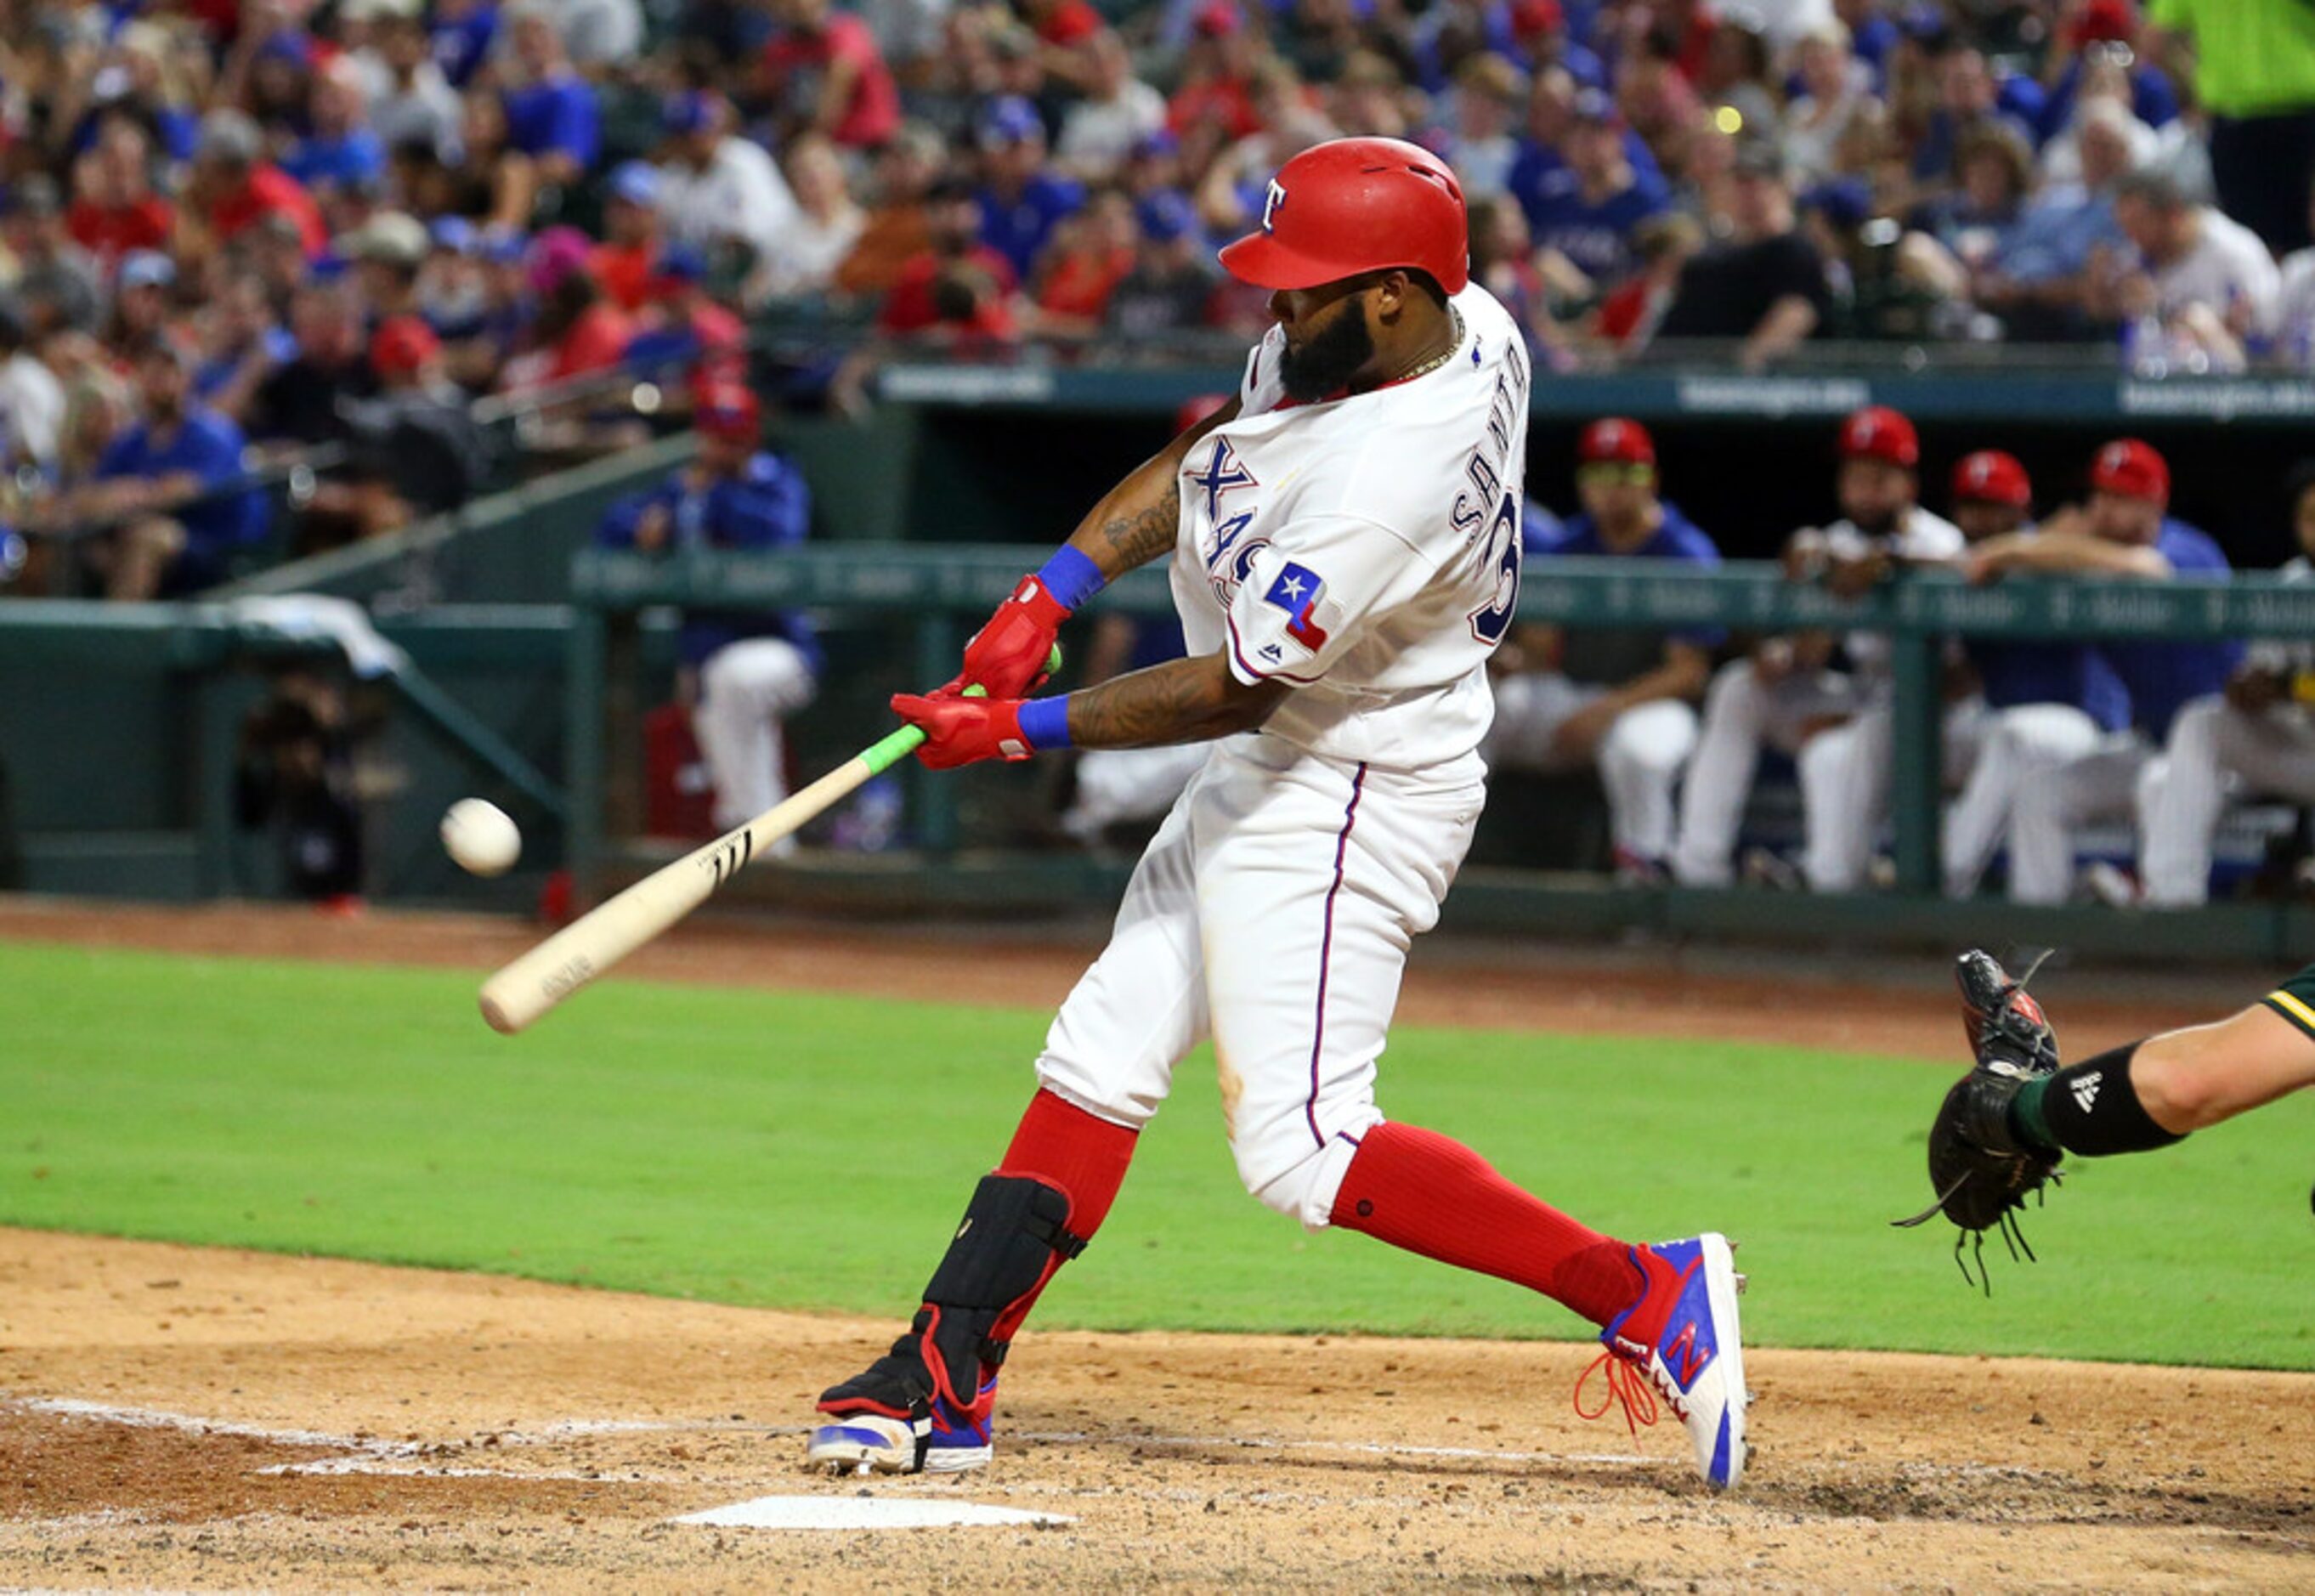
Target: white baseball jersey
point(1920, 538)
point(1367, 549)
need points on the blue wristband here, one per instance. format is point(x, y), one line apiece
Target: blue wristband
point(1071, 577)
point(1045, 721)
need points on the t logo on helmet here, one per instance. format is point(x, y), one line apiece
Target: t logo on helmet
point(1271, 202)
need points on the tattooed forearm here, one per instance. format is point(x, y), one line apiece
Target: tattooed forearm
point(1180, 701)
point(1136, 538)
point(1138, 521)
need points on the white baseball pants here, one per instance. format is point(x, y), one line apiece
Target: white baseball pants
point(2215, 749)
point(2102, 784)
point(1741, 713)
point(1640, 757)
point(746, 689)
point(2015, 748)
point(1116, 785)
point(1272, 910)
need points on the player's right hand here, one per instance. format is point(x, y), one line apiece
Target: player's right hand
point(1010, 655)
point(963, 730)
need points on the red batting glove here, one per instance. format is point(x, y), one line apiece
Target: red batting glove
point(963, 730)
point(1007, 656)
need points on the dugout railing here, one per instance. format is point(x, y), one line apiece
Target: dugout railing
point(941, 591)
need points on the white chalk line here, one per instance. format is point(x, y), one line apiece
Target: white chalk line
point(153, 1418)
point(374, 1455)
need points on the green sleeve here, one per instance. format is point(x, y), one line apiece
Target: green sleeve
point(2295, 1000)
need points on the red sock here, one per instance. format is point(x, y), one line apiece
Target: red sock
point(1418, 1189)
point(1085, 1156)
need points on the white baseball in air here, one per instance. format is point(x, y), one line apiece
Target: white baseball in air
point(480, 836)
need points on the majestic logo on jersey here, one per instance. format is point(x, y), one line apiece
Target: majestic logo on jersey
point(1271, 202)
point(1295, 589)
point(1223, 474)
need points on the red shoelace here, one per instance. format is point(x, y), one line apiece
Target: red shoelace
point(1626, 1384)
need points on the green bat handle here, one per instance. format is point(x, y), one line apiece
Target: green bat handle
point(881, 755)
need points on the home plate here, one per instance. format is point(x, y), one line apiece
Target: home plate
point(862, 1513)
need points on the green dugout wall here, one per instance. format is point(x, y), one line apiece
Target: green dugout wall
point(114, 724)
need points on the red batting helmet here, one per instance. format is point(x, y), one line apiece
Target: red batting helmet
point(1354, 205)
point(1614, 441)
point(1990, 476)
point(2132, 469)
point(1877, 433)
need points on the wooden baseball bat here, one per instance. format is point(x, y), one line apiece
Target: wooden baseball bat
point(590, 944)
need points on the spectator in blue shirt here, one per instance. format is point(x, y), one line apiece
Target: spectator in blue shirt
point(1021, 201)
point(1589, 210)
point(1872, 35)
point(171, 532)
point(341, 152)
point(463, 32)
point(2036, 278)
point(1542, 38)
point(553, 116)
point(2125, 531)
point(2105, 30)
point(1622, 700)
point(1969, 96)
point(744, 672)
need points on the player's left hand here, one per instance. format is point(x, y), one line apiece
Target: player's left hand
point(1010, 656)
point(964, 731)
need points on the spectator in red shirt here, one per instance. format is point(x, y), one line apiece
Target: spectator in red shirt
point(953, 222)
point(578, 330)
point(1090, 255)
point(1215, 103)
point(239, 188)
point(624, 261)
point(822, 71)
point(686, 325)
point(1066, 31)
point(114, 210)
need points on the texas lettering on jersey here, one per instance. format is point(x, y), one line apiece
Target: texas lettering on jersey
point(1366, 548)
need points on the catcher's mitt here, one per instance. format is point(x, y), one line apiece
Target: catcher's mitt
point(1981, 1172)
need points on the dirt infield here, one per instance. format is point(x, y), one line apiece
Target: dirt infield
point(183, 1418)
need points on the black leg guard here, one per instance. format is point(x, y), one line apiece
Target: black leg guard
point(1016, 1233)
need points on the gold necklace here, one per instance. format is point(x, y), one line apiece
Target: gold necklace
point(1440, 358)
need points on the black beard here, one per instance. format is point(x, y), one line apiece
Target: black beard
point(1327, 359)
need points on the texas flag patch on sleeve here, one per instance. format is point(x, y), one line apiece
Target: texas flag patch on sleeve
point(1295, 589)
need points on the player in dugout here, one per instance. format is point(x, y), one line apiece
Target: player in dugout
point(1344, 549)
point(1623, 700)
point(1791, 693)
point(2041, 705)
point(2256, 738)
point(2127, 531)
point(745, 672)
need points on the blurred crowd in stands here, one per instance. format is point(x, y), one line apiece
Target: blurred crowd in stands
point(237, 223)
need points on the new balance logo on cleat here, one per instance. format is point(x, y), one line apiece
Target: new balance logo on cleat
point(2086, 1089)
point(1680, 1341)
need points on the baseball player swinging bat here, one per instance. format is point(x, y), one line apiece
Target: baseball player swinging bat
point(526, 988)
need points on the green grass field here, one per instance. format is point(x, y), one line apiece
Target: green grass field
point(810, 1152)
